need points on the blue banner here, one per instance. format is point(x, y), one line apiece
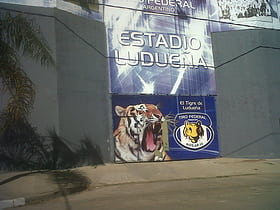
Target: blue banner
point(164, 46)
point(160, 128)
point(154, 53)
point(160, 63)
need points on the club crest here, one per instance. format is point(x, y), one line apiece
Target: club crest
point(193, 131)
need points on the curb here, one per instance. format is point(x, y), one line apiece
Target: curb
point(17, 202)
point(12, 203)
point(63, 187)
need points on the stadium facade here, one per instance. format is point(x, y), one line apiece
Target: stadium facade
point(155, 80)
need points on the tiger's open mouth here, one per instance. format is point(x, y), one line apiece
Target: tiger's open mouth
point(149, 143)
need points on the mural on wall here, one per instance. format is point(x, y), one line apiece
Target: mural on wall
point(263, 13)
point(159, 128)
point(86, 8)
point(90, 5)
point(164, 46)
point(159, 54)
point(238, 10)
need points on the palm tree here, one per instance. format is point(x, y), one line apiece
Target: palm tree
point(19, 37)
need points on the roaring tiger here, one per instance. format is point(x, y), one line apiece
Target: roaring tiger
point(139, 134)
point(193, 130)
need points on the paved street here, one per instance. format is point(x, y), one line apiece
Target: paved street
point(250, 192)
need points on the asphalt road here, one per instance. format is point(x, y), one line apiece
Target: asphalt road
point(251, 192)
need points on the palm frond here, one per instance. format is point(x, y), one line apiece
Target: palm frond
point(8, 56)
point(8, 62)
point(22, 94)
point(25, 36)
point(19, 36)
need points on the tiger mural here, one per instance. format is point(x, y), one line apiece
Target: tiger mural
point(193, 130)
point(138, 136)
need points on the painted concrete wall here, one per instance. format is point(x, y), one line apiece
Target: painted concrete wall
point(71, 96)
point(45, 111)
point(84, 102)
point(248, 87)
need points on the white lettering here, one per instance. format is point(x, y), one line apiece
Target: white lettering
point(138, 41)
point(122, 37)
point(194, 43)
point(168, 3)
point(117, 58)
point(173, 39)
point(161, 41)
point(160, 59)
point(175, 58)
point(164, 62)
point(149, 61)
point(150, 41)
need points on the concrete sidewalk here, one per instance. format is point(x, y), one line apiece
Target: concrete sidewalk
point(19, 188)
